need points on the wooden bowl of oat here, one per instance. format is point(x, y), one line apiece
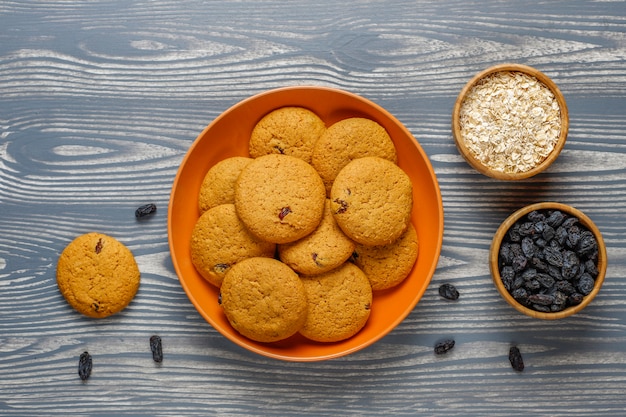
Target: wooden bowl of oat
point(510, 122)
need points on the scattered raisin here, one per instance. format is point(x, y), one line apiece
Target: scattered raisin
point(157, 348)
point(84, 366)
point(145, 210)
point(448, 291)
point(515, 357)
point(444, 347)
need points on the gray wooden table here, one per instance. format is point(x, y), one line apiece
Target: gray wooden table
point(100, 100)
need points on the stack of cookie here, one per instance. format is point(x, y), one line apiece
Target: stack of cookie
point(301, 233)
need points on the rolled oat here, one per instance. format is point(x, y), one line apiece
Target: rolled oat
point(510, 121)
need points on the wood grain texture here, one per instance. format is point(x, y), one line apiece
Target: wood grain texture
point(100, 100)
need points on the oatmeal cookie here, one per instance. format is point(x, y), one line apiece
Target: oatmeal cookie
point(264, 299)
point(97, 275)
point(371, 200)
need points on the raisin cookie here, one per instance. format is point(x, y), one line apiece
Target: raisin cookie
point(218, 185)
point(264, 299)
point(371, 200)
point(280, 198)
point(289, 131)
point(324, 249)
point(97, 275)
point(339, 304)
point(349, 139)
point(219, 240)
point(388, 265)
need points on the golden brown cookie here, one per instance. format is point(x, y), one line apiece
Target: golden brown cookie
point(347, 140)
point(339, 303)
point(264, 299)
point(388, 265)
point(288, 131)
point(280, 198)
point(371, 200)
point(97, 275)
point(324, 249)
point(218, 185)
point(219, 240)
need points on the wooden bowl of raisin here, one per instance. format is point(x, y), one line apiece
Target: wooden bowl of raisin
point(548, 260)
point(510, 122)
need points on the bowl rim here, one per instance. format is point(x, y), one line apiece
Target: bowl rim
point(456, 121)
point(508, 223)
point(379, 111)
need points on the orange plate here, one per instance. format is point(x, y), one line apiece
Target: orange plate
point(228, 136)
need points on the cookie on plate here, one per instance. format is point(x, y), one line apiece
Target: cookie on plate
point(218, 185)
point(324, 249)
point(280, 198)
point(349, 139)
point(371, 200)
point(97, 275)
point(219, 240)
point(264, 299)
point(339, 303)
point(288, 131)
point(388, 265)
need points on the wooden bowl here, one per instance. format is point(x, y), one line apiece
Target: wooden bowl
point(495, 249)
point(471, 157)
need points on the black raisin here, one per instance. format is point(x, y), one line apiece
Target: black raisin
point(85, 364)
point(536, 216)
point(527, 229)
point(553, 256)
point(575, 298)
point(587, 244)
point(284, 212)
point(508, 276)
point(157, 348)
point(585, 284)
point(519, 263)
point(569, 222)
point(560, 301)
point(145, 210)
point(555, 218)
point(548, 233)
point(591, 268)
point(515, 357)
point(541, 299)
point(529, 274)
point(565, 287)
point(545, 280)
point(448, 291)
point(343, 206)
point(573, 236)
point(532, 285)
point(444, 347)
point(528, 247)
point(99, 246)
point(521, 295)
point(539, 264)
point(569, 268)
point(513, 233)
